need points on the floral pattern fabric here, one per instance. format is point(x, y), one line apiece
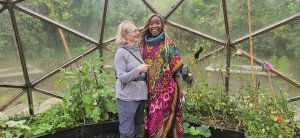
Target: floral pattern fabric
point(163, 92)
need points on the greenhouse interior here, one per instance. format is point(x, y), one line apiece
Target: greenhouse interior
point(57, 65)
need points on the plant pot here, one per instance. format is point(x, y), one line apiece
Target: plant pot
point(99, 130)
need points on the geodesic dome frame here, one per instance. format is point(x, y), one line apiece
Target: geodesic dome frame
point(228, 43)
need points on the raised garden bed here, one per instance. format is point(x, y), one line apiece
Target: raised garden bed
point(98, 130)
point(111, 130)
point(218, 132)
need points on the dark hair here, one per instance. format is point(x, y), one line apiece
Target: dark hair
point(145, 29)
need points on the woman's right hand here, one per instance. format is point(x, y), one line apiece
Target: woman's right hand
point(142, 68)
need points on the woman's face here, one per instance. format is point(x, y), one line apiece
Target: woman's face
point(155, 26)
point(132, 34)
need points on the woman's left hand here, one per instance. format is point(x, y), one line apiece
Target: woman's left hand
point(182, 92)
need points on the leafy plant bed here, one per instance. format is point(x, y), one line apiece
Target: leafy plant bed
point(218, 132)
point(222, 122)
point(89, 99)
point(256, 112)
point(98, 130)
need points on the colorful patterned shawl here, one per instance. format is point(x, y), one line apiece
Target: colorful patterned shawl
point(163, 92)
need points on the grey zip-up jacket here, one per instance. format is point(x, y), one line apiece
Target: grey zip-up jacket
point(127, 87)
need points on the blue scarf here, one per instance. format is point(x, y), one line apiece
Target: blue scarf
point(156, 40)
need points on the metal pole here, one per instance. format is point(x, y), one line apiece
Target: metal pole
point(228, 46)
point(268, 28)
point(34, 83)
point(47, 93)
point(22, 57)
point(278, 73)
point(13, 86)
point(45, 19)
point(102, 30)
point(11, 100)
point(150, 6)
point(173, 9)
point(206, 36)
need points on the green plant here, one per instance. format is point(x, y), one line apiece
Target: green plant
point(12, 128)
point(91, 94)
point(90, 97)
point(269, 116)
point(50, 121)
point(200, 131)
point(208, 104)
point(56, 118)
point(16, 128)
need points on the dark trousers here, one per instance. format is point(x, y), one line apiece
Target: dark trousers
point(131, 116)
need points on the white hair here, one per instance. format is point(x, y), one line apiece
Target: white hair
point(122, 29)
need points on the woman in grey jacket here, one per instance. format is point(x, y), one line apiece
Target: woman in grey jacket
point(131, 88)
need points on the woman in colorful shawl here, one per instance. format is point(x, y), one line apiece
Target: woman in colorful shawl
point(163, 112)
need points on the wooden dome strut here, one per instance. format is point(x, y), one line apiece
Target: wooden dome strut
point(251, 59)
point(251, 53)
